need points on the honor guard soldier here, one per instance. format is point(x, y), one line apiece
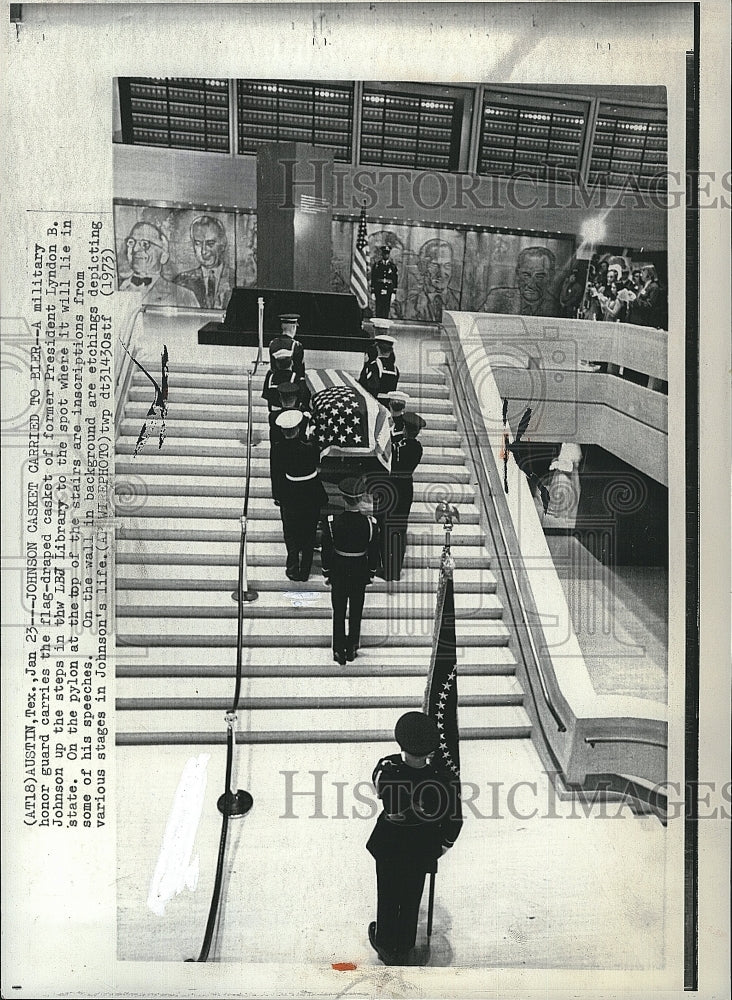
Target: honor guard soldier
point(293, 394)
point(350, 557)
point(384, 282)
point(289, 393)
point(280, 361)
point(406, 454)
point(287, 341)
point(300, 493)
point(421, 820)
point(381, 376)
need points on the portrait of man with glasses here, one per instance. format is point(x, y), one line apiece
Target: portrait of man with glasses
point(147, 251)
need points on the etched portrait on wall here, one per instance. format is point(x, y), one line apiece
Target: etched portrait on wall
point(246, 249)
point(515, 273)
point(173, 256)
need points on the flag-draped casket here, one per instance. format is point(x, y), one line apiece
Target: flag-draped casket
point(348, 421)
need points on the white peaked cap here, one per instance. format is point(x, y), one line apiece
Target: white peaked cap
point(289, 419)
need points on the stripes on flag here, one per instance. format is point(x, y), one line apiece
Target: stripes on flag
point(360, 267)
point(348, 420)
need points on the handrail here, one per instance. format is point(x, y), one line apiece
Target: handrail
point(233, 802)
point(497, 519)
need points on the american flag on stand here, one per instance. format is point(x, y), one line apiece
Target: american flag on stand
point(441, 694)
point(347, 419)
point(360, 266)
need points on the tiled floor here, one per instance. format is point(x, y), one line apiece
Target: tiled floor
point(531, 883)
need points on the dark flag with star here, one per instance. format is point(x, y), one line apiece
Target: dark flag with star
point(441, 693)
point(347, 419)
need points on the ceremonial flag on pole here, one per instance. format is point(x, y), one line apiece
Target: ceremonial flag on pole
point(347, 419)
point(441, 693)
point(360, 267)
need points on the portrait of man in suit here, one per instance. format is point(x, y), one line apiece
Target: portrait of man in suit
point(435, 264)
point(147, 250)
point(533, 293)
point(213, 279)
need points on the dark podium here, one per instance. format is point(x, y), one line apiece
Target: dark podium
point(329, 321)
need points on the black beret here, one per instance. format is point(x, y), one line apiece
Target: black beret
point(417, 733)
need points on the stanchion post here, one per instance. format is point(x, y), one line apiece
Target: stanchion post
point(234, 802)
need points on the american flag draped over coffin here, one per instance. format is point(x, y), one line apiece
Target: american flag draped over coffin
point(348, 420)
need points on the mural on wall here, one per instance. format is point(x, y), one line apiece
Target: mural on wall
point(246, 249)
point(174, 256)
point(194, 257)
point(430, 266)
point(515, 273)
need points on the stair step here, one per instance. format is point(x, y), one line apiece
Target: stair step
point(215, 632)
point(303, 661)
point(158, 552)
point(519, 731)
point(333, 720)
point(226, 530)
point(148, 575)
point(499, 687)
point(228, 414)
point(297, 605)
point(240, 371)
point(326, 703)
point(260, 509)
point(132, 489)
point(143, 392)
point(413, 385)
point(164, 463)
point(201, 447)
point(217, 430)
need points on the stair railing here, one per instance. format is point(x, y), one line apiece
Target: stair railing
point(522, 608)
point(235, 802)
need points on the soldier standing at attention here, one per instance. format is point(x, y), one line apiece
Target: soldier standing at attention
point(280, 361)
point(384, 282)
point(421, 821)
point(381, 376)
point(406, 454)
point(292, 394)
point(300, 493)
point(350, 557)
point(287, 340)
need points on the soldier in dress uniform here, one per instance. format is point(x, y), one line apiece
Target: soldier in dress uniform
point(293, 394)
point(381, 376)
point(350, 557)
point(280, 361)
point(406, 454)
point(420, 821)
point(376, 327)
point(300, 493)
point(287, 339)
point(384, 282)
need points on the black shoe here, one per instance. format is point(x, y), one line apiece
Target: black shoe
point(387, 957)
point(351, 653)
point(340, 657)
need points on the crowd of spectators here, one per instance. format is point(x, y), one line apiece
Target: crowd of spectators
point(614, 293)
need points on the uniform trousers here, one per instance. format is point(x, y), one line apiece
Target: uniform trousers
point(399, 885)
point(382, 297)
point(299, 526)
point(347, 594)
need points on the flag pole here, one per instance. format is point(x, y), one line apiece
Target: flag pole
point(446, 514)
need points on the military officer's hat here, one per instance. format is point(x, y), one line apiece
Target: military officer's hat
point(397, 399)
point(417, 733)
point(386, 248)
point(384, 338)
point(352, 489)
point(289, 317)
point(289, 419)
